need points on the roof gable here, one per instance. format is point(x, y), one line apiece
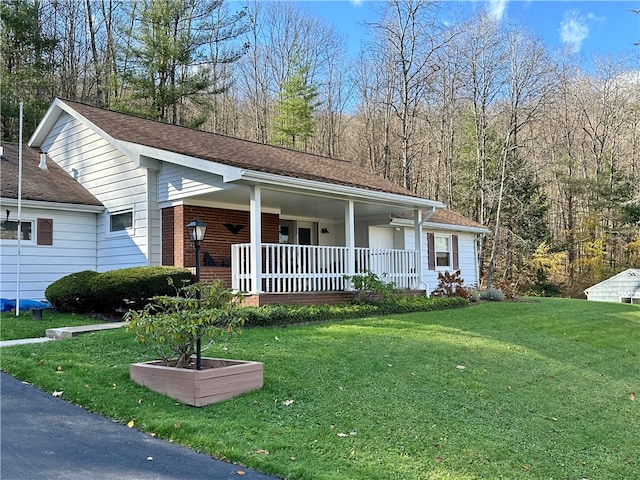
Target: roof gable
point(230, 151)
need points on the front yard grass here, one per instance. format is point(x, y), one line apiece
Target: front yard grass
point(517, 390)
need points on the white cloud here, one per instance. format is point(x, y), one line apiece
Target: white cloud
point(497, 8)
point(574, 28)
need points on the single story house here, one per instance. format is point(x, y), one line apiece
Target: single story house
point(621, 288)
point(283, 226)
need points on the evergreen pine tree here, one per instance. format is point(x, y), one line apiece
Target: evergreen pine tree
point(294, 122)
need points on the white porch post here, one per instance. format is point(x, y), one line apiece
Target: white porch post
point(417, 225)
point(350, 240)
point(255, 228)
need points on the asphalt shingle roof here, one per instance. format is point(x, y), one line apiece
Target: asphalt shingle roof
point(51, 185)
point(234, 151)
point(445, 217)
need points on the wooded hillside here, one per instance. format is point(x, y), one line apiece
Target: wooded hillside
point(477, 113)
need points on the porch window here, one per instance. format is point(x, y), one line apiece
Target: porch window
point(9, 230)
point(121, 221)
point(283, 234)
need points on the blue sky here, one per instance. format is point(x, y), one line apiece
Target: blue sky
point(586, 28)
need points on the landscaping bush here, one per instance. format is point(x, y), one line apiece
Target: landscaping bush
point(370, 287)
point(133, 287)
point(72, 293)
point(89, 291)
point(271, 315)
point(492, 295)
point(450, 285)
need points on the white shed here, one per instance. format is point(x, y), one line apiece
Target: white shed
point(622, 288)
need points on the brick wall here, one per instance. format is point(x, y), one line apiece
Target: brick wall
point(178, 249)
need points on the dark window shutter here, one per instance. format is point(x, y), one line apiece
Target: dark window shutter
point(454, 248)
point(431, 250)
point(45, 231)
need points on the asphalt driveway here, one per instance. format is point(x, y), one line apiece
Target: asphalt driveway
point(42, 436)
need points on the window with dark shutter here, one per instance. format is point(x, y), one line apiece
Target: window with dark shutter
point(45, 231)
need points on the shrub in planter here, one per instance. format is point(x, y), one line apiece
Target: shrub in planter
point(72, 292)
point(172, 325)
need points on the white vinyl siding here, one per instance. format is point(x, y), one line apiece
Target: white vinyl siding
point(623, 287)
point(73, 249)
point(114, 179)
point(177, 182)
point(154, 228)
point(466, 257)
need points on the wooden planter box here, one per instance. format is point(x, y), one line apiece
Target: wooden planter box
point(219, 380)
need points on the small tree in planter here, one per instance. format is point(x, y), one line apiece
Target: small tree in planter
point(174, 327)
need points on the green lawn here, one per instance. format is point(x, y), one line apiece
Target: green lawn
point(533, 390)
point(14, 327)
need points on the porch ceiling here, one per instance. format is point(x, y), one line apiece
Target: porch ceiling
point(301, 204)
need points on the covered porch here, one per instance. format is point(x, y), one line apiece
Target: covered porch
point(284, 240)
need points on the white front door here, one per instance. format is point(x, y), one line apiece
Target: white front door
point(380, 237)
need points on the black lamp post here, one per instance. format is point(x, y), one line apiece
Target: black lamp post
point(197, 230)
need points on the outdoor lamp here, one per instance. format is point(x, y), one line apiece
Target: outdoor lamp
point(197, 230)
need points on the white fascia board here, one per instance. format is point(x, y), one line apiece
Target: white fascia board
point(228, 173)
point(73, 207)
point(343, 191)
point(46, 124)
point(402, 222)
point(458, 228)
point(51, 117)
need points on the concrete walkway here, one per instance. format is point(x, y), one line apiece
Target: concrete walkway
point(63, 332)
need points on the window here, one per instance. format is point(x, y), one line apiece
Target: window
point(443, 251)
point(121, 221)
point(9, 230)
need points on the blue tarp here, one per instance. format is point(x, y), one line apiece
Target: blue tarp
point(7, 304)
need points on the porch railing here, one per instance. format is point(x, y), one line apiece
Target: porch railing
point(310, 268)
